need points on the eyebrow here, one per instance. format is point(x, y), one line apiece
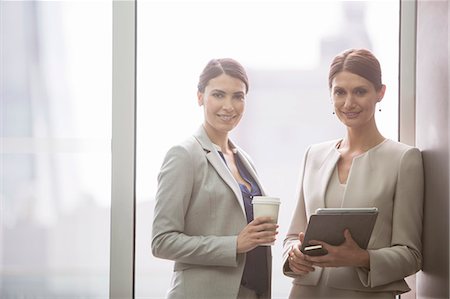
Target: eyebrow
point(337, 88)
point(222, 91)
point(359, 86)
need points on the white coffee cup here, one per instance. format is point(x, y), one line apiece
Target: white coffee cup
point(266, 206)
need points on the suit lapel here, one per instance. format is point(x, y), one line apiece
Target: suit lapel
point(324, 174)
point(250, 169)
point(219, 165)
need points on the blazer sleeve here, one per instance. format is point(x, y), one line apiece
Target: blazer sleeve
point(298, 224)
point(175, 186)
point(403, 257)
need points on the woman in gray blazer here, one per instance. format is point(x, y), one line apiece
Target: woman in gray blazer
point(363, 169)
point(203, 216)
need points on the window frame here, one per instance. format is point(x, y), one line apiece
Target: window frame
point(123, 195)
point(123, 147)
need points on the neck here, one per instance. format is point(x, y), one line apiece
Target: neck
point(360, 140)
point(218, 138)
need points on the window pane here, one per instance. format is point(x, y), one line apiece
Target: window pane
point(55, 153)
point(286, 48)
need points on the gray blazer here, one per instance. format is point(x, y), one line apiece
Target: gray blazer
point(389, 177)
point(199, 213)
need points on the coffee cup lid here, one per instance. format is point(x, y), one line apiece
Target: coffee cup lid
point(266, 200)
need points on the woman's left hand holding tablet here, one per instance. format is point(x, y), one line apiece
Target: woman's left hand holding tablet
point(348, 254)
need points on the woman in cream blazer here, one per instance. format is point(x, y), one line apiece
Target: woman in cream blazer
point(363, 169)
point(200, 220)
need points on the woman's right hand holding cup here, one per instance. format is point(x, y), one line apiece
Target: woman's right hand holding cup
point(260, 231)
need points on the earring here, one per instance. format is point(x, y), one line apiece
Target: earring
point(334, 112)
point(379, 107)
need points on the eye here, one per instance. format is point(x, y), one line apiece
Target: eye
point(239, 97)
point(218, 95)
point(360, 91)
point(338, 92)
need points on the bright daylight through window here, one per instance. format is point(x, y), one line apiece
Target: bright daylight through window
point(286, 48)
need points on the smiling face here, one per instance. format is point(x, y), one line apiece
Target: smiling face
point(223, 101)
point(354, 99)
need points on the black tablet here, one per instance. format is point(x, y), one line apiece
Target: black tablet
point(328, 225)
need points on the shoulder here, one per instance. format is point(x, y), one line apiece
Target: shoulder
point(393, 145)
point(187, 149)
point(318, 153)
point(322, 147)
point(396, 154)
point(326, 145)
point(399, 150)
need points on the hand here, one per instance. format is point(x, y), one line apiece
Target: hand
point(297, 260)
point(260, 231)
point(348, 254)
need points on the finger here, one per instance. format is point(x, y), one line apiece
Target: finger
point(265, 234)
point(316, 242)
point(267, 226)
point(254, 226)
point(301, 236)
point(266, 241)
point(263, 228)
point(265, 231)
point(296, 251)
point(304, 264)
point(298, 270)
point(261, 220)
point(348, 236)
point(300, 259)
point(300, 266)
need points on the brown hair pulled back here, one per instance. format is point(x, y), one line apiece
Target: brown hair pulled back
point(357, 61)
point(217, 67)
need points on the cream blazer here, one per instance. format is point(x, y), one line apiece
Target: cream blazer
point(389, 177)
point(199, 213)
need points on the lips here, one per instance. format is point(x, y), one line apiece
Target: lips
point(351, 114)
point(225, 117)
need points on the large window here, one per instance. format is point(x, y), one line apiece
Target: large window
point(286, 47)
point(55, 105)
point(55, 148)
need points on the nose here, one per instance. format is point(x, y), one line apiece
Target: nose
point(349, 101)
point(227, 104)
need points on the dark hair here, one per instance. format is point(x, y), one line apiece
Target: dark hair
point(357, 61)
point(217, 67)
